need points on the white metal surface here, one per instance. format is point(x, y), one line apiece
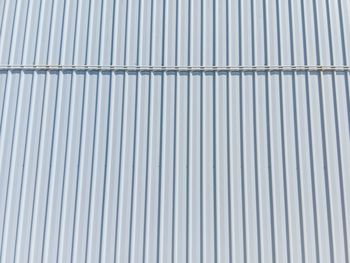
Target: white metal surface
point(181, 165)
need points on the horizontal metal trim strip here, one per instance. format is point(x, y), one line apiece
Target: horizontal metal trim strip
point(134, 68)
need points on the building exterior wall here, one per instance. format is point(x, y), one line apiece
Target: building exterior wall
point(174, 166)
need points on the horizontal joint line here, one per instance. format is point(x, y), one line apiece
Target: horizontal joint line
point(140, 68)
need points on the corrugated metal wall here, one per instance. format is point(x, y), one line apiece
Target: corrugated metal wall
point(169, 166)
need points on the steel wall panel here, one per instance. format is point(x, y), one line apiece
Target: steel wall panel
point(133, 166)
